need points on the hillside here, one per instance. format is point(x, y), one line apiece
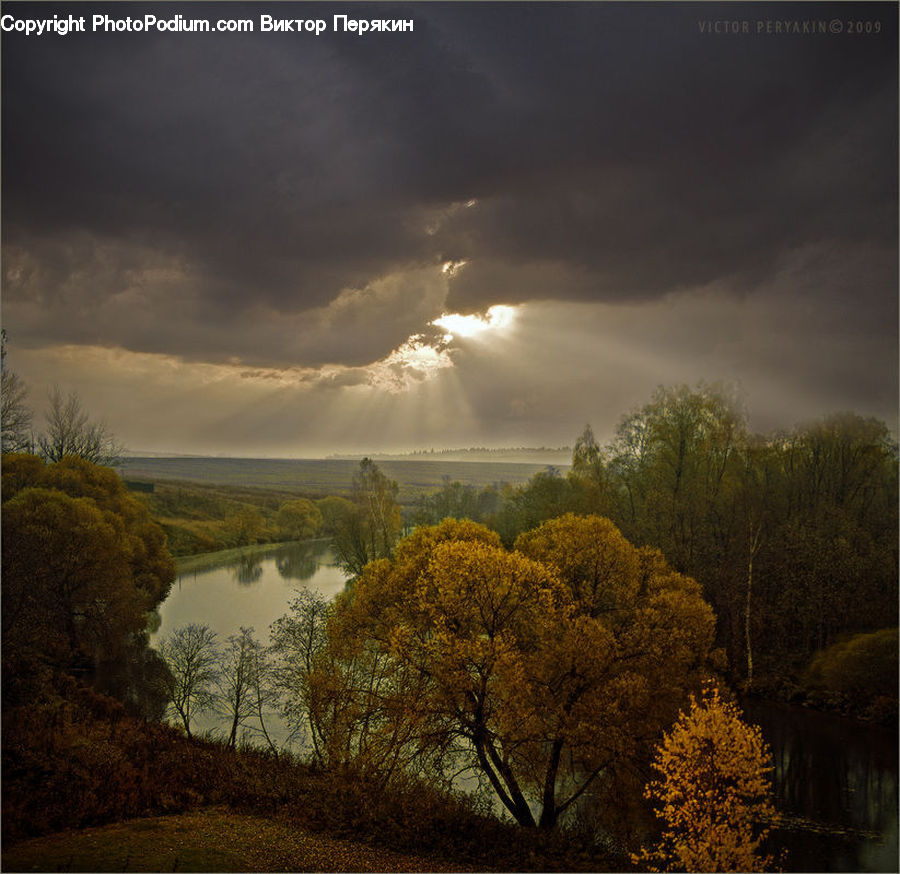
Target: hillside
point(213, 839)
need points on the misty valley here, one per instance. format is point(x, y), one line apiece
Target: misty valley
point(680, 634)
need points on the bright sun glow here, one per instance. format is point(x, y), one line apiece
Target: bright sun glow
point(495, 319)
point(415, 361)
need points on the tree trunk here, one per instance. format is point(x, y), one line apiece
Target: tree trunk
point(549, 812)
point(754, 547)
point(512, 800)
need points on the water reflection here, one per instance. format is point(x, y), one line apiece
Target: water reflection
point(248, 570)
point(252, 588)
point(835, 780)
point(300, 562)
point(294, 561)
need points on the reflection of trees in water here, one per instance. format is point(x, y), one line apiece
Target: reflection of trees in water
point(294, 561)
point(830, 769)
point(248, 569)
point(300, 561)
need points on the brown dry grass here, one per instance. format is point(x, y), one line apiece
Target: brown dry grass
point(212, 839)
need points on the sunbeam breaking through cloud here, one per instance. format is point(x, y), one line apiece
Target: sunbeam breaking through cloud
point(497, 318)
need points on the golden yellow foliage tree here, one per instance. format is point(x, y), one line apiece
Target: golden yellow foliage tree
point(541, 675)
point(713, 792)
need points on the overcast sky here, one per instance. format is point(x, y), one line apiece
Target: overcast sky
point(260, 243)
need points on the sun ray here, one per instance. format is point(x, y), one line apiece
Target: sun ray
point(497, 318)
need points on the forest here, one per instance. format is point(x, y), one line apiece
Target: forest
point(562, 660)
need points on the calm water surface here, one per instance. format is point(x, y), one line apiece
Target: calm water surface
point(835, 783)
point(228, 591)
point(251, 589)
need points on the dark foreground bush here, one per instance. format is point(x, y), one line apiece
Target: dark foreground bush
point(75, 759)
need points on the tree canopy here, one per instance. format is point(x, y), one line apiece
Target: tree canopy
point(712, 792)
point(539, 674)
point(792, 535)
point(83, 565)
point(299, 518)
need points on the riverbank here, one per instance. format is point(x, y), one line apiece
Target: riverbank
point(77, 762)
point(206, 561)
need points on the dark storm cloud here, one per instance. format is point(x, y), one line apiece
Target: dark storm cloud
point(162, 192)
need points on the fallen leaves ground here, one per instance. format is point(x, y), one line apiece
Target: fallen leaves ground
point(213, 839)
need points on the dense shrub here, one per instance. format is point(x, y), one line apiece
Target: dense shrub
point(858, 675)
point(75, 759)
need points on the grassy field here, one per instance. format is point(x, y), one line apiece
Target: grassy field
point(320, 477)
point(198, 500)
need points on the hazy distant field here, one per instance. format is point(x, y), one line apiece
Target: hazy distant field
point(326, 476)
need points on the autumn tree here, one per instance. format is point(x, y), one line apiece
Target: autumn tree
point(829, 563)
point(298, 641)
point(712, 792)
point(242, 681)
point(298, 519)
point(594, 488)
point(516, 667)
point(192, 656)
point(333, 510)
point(676, 458)
point(545, 496)
point(347, 698)
point(367, 527)
point(83, 567)
point(245, 526)
point(792, 536)
point(861, 671)
point(66, 578)
point(70, 431)
point(263, 692)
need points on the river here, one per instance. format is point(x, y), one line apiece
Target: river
point(835, 779)
point(250, 588)
point(835, 783)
